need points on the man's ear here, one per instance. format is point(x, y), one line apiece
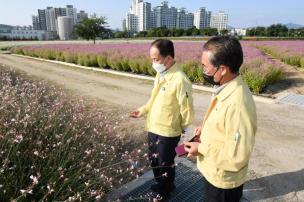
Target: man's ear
point(225, 70)
point(168, 59)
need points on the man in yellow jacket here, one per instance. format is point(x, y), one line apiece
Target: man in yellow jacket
point(228, 132)
point(169, 113)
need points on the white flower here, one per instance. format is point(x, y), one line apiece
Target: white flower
point(157, 198)
point(155, 155)
point(50, 189)
point(18, 138)
point(165, 174)
point(34, 179)
point(93, 193)
point(71, 198)
point(26, 191)
point(88, 152)
point(36, 153)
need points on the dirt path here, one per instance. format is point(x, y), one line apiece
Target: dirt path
point(276, 167)
point(294, 81)
point(295, 77)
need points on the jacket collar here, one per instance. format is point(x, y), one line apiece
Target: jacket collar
point(170, 72)
point(229, 88)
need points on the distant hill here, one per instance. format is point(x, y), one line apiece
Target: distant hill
point(288, 25)
point(293, 26)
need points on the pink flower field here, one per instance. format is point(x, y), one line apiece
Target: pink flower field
point(134, 57)
point(293, 47)
point(185, 51)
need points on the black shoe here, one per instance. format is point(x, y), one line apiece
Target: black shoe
point(155, 187)
point(172, 188)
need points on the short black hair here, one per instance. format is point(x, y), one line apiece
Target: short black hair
point(165, 47)
point(225, 51)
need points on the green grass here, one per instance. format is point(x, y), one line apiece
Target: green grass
point(258, 75)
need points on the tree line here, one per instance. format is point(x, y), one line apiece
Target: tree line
point(276, 30)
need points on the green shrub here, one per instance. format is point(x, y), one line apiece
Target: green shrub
point(294, 60)
point(5, 48)
point(51, 55)
point(125, 65)
point(302, 62)
point(17, 50)
point(258, 75)
point(146, 67)
point(273, 75)
point(80, 60)
point(134, 66)
point(193, 71)
point(86, 60)
point(151, 71)
point(60, 56)
point(93, 61)
point(255, 82)
point(102, 61)
point(70, 57)
point(115, 63)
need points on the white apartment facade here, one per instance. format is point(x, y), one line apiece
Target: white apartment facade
point(202, 18)
point(219, 21)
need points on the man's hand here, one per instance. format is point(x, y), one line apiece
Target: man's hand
point(197, 131)
point(135, 114)
point(191, 148)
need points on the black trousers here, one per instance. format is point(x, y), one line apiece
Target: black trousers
point(161, 157)
point(214, 194)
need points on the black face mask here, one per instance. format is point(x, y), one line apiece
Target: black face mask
point(210, 79)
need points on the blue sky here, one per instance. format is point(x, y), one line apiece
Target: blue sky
point(242, 13)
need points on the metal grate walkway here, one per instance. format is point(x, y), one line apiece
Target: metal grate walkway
point(188, 187)
point(293, 99)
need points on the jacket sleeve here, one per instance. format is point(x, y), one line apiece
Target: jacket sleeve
point(234, 154)
point(185, 101)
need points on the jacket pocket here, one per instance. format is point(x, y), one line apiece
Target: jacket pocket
point(164, 117)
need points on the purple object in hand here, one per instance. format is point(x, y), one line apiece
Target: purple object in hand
point(180, 150)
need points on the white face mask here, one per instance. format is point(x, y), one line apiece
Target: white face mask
point(159, 67)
